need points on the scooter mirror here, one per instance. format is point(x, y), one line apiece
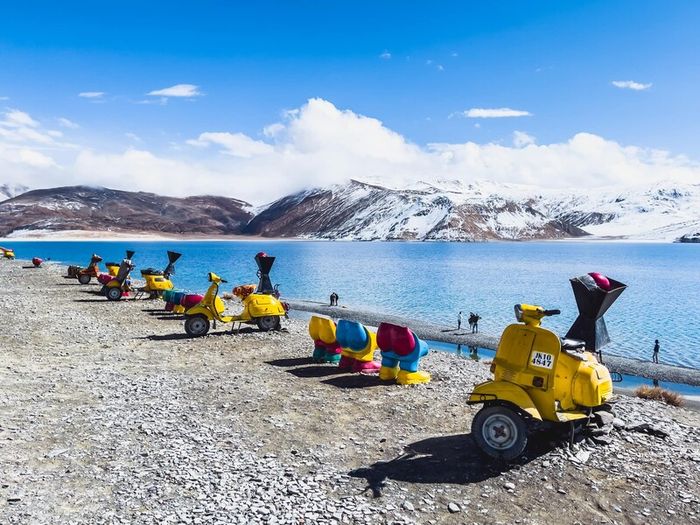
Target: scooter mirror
point(130, 254)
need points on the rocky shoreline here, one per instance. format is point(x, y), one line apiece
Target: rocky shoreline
point(109, 414)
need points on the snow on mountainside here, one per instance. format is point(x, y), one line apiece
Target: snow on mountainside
point(8, 191)
point(444, 210)
point(452, 210)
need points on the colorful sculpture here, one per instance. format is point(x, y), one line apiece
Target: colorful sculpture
point(326, 347)
point(401, 351)
point(358, 346)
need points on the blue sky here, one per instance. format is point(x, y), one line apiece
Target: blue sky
point(415, 66)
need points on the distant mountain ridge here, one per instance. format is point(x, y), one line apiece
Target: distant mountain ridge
point(440, 211)
point(451, 210)
point(103, 209)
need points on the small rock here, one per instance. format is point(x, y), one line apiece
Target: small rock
point(407, 505)
point(509, 486)
point(454, 508)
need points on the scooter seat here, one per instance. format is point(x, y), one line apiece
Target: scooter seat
point(351, 334)
point(572, 344)
point(397, 339)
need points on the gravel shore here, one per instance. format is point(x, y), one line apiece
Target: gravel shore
point(109, 414)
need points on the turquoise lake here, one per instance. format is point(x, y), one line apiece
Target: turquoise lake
point(434, 281)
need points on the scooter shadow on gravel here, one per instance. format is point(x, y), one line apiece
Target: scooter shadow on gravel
point(293, 361)
point(354, 380)
point(315, 371)
point(452, 459)
point(179, 336)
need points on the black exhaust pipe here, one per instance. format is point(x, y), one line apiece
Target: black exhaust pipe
point(264, 263)
point(593, 301)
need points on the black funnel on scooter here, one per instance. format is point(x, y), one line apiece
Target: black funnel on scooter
point(170, 269)
point(264, 263)
point(592, 301)
point(130, 254)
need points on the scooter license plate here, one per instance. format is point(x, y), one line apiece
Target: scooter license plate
point(542, 360)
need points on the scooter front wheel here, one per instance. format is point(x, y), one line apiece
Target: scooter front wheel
point(267, 323)
point(500, 432)
point(197, 325)
point(114, 294)
point(84, 278)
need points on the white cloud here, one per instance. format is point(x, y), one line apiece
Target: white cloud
point(273, 130)
point(91, 94)
point(494, 113)
point(132, 136)
point(319, 144)
point(440, 67)
point(18, 119)
point(178, 90)
point(631, 84)
point(522, 139)
point(66, 123)
point(4, 98)
point(385, 55)
point(234, 144)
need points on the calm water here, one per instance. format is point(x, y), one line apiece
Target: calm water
point(436, 280)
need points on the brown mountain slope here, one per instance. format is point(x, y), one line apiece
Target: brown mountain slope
point(87, 208)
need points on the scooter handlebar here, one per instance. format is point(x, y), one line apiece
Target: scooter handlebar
point(551, 312)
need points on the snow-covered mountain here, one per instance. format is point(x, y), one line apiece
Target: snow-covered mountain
point(453, 210)
point(8, 191)
point(445, 210)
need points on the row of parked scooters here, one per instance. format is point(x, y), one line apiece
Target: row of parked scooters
point(539, 379)
point(261, 304)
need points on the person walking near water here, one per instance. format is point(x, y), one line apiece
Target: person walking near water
point(334, 299)
point(459, 321)
point(655, 355)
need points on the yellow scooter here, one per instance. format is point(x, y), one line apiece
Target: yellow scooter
point(538, 377)
point(121, 284)
point(158, 281)
point(262, 308)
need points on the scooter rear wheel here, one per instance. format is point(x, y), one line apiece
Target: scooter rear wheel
point(500, 432)
point(114, 294)
point(84, 278)
point(197, 325)
point(267, 323)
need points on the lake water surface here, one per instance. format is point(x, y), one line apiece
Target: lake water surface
point(435, 280)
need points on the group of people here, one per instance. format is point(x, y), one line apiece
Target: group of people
point(334, 299)
point(473, 322)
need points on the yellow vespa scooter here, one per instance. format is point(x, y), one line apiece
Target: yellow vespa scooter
point(539, 378)
point(262, 308)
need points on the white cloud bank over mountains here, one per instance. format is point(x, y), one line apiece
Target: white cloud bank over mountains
point(319, 144)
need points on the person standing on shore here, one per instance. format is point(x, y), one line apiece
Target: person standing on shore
point(475, 326)
point(334, 299)
point(655, 355)
point(459, 321)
